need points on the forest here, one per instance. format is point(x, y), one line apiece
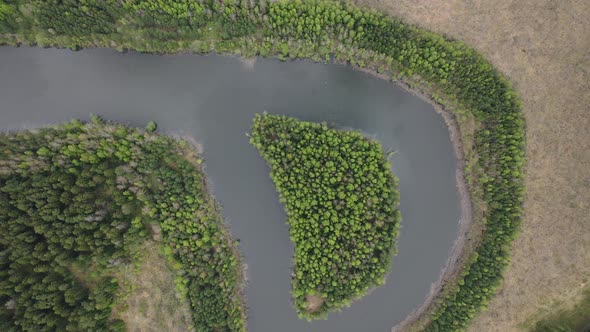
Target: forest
point(488, 111)
point(82, 197)
point(341, 201)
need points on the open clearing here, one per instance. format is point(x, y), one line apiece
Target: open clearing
point(314, 302)
point(153, 303)
point(542, 46)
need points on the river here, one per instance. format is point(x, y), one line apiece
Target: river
point(213, 98)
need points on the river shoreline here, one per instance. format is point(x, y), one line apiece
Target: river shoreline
point(458, 255)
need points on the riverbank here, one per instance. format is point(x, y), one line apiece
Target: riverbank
point(542, 47)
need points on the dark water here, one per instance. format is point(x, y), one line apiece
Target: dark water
point(214, 98)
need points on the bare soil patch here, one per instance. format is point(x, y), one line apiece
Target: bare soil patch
point(314, 303)
point(153, 303)
point(542, 46)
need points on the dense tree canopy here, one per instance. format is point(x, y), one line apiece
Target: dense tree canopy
point(341, 203)
point(80, 197)
point(78, 17)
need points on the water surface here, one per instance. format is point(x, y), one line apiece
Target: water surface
point(214, 99)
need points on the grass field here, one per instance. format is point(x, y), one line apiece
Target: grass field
point(575, 318)
point(543, 47)
point(153, 303)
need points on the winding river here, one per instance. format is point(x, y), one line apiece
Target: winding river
point(213, 98)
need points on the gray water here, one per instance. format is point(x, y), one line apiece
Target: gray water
point(213, 98)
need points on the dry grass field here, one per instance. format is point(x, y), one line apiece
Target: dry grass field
point(153, 304)
point(543, 47)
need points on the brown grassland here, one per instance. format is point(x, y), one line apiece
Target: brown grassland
point(153, 304)
point(543, 47)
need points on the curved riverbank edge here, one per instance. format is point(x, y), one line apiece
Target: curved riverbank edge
point(458, 255)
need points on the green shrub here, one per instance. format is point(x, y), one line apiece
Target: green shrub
point(168, 14)
point(78, 17)
point(151, 126)
point(7, 18)
point(5, 10)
